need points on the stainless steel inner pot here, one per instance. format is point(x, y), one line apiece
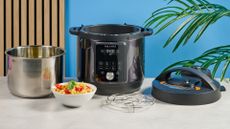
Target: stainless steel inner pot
point(32, 70)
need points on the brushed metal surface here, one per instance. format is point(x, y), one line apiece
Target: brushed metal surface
point(32, 70)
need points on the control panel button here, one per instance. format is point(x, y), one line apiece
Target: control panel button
point(102, 72)
point(109, 76)
point(100, 63)
point(112, 68)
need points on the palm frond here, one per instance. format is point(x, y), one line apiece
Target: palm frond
point(198, 15)
point(213, 57)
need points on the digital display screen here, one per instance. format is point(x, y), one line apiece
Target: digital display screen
point(109, 51)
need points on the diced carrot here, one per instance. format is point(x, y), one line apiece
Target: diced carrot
point(67, 91)
point(58, 86)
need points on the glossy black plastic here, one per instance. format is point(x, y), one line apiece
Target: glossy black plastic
point(164, 90)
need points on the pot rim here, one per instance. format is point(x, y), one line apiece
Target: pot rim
point(28, 46)
point(136, 33)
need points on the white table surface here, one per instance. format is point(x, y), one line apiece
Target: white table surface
point(46, 113)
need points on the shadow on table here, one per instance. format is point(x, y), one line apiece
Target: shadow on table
point(148, 91)
point(48, 105)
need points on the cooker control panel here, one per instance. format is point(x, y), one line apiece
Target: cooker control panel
point(109, 61)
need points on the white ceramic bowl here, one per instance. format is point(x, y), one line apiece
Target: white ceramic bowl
point(74, 100)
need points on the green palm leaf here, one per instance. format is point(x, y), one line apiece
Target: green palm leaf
point(213, 57)
point(198, 15)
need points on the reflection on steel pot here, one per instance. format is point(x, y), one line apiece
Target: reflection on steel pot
point(32, 70)
point(111, 56)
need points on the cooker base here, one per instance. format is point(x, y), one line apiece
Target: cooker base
point(108, 89)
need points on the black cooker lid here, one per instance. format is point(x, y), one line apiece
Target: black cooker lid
point(111, 32)
point(191, 87)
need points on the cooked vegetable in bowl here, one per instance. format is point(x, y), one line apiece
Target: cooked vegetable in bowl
point(73, 94)
point(73, 87)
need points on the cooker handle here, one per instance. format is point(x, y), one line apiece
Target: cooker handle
point(211, 83)
point(75, 30)
point(147, 31)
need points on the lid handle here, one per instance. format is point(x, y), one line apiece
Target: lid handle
point(147, 31)
point(211, 83)
point(75, 30)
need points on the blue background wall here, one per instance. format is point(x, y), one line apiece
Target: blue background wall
point(88, 12)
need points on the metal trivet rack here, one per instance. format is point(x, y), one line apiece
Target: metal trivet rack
point(129, 103)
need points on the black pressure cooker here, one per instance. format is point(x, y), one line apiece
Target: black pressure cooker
point(111, 56)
